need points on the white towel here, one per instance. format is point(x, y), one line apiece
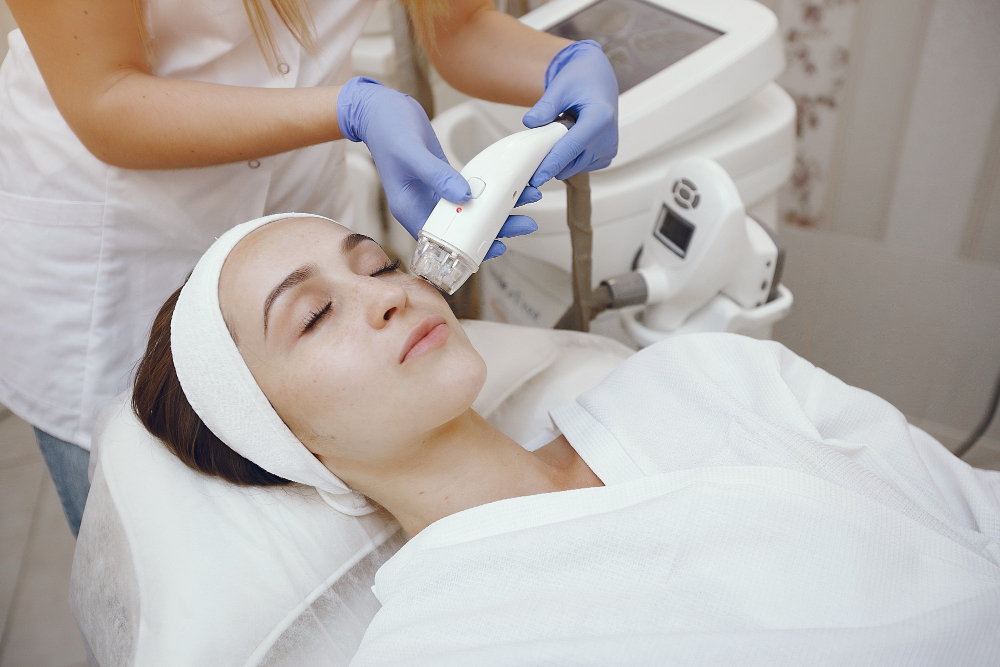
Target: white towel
point(714, 566)
point(223, 392)
point(758, 512)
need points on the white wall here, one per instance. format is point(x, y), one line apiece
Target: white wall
point(956, 98)
point(893, 220)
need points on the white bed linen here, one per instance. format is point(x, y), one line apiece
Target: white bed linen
point(759, 511)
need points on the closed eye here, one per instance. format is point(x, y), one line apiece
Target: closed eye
point(315, 316)
point(388, 267)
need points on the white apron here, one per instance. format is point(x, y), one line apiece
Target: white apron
point(89, 252)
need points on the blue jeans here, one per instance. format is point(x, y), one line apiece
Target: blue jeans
point(67, 464)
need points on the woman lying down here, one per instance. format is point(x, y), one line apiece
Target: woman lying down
point(715, 500)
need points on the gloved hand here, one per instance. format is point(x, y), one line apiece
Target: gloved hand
point(414, 171)
point(579, 78)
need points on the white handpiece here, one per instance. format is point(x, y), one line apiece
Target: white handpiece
point(456, 237)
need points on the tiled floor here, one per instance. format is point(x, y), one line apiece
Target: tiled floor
point(36, 553)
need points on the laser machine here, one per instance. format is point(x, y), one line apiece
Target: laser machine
point(705, 266)
point(696, 79)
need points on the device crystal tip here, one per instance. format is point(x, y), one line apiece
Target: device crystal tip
point(440, 266)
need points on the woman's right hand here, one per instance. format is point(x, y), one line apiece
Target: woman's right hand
point(414, 171)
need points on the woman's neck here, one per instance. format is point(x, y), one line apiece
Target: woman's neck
point(466, 463)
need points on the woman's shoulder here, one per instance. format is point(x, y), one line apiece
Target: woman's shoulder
point(707, 353)
point(701, 377)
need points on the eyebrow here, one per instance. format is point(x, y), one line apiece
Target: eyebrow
point(307, 271)
point(352, 241)
point(296, 277)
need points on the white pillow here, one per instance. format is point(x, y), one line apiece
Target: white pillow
point(173, 567)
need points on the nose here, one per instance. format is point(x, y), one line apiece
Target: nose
point(382, 300)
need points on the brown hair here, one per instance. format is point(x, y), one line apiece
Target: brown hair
point(160, 404)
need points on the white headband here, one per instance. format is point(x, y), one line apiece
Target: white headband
point(223, 392)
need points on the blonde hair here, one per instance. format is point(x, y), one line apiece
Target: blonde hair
point(423, 13)
point(296, 17)
point(293, 13)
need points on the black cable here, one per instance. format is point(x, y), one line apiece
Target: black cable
point(984, 424)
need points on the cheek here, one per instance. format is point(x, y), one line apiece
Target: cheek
point(362, 404)
point(337, 395)
point(422, 291)
point(366, 407)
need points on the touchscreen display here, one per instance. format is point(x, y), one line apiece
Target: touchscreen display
point(674, 231)
point(639, 38)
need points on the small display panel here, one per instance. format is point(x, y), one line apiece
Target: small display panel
point(674, 231)
point(640, 39)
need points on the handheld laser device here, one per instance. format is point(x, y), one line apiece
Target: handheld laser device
point(457, 236)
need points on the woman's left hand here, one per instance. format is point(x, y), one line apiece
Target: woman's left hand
point(579, 79)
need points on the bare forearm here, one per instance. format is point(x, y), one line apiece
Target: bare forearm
point(145, 122)
point(92, 59)
point(493, 56)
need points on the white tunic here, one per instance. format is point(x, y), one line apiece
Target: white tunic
point(758, 511)
point(89, 252)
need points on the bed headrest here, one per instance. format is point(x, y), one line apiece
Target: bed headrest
point(173, 567)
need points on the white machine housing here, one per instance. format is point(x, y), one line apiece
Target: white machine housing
point(530, 284)
point(743, 52)
point(703, 243)
point(457, 236)
point(754, 142)
point(716, 100)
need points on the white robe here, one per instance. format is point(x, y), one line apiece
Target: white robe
point(757, 511)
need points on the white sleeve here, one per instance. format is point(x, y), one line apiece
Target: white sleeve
point(971, 493)
point(704, 400)
point(845, 414)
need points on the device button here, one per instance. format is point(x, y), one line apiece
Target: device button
point(476, 185)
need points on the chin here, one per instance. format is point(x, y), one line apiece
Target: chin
point(459, 382)
point(477, 377)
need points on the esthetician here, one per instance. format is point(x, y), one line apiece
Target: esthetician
point(132, 134)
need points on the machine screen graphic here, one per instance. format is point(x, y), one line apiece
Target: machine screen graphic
point(674, 231)
point(640, 39)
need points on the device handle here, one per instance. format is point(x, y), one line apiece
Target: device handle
point(581, 238)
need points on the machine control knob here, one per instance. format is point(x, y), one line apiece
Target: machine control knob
point(686, 193)
point(477, 186)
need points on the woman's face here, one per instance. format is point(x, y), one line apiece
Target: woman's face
point(357, 358)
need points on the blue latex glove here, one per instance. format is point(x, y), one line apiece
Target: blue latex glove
point(414, 171)
point(579, 79)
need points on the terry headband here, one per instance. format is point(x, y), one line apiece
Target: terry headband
point(223, 392)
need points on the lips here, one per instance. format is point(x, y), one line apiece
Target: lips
point(429, 334)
